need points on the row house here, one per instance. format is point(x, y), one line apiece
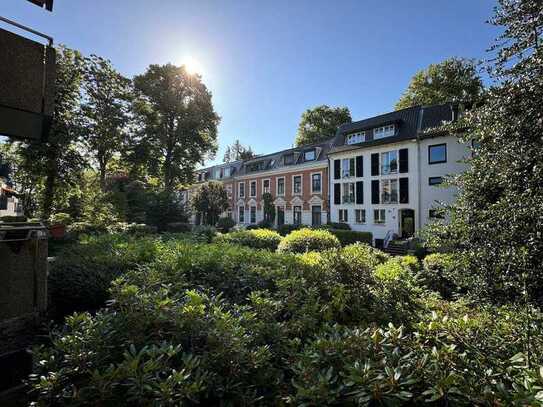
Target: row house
point(387, 172)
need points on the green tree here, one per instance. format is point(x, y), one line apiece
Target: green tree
point(237, 151)
point(320, 123)
point(496, 222)
point(454, 79)
point(210, 200)
point(179, 125)
point(269, 208)
point(104, 111)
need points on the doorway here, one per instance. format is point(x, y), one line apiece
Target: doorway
point(407, 223)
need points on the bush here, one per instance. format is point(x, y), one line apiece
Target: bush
point(204, 233)
point(305, 240)
point(178, 227)
point(60, 218)
point(440, 273)
point(257, 238)
point(338, 226)
point(12, 219)
point(347, 237)
point(86, 228)
point(285, 229)
point(253, 226)
point(225, 224)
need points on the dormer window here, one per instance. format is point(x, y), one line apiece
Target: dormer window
point(382, 132)
point(226, 172)
point(355, 138)
point(288, 159)
point(309, 155)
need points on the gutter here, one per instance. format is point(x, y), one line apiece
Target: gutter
point(419, 172)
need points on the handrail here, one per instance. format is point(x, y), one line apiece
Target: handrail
point(388, 238)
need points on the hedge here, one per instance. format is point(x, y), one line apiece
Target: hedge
point(347, 237)
point(255, 238)
point(307, 240)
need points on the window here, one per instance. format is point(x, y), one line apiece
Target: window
point(354, 138)
point(200, 177)
point(347, 167)
point(382, 132)
point(437, 154)
point(435, 214)
point(316, 183)
point(309, 155)
point(389, 162)
point(252, 188)
point(265, 186)
point(241, 214)
point(253, 214)
point(316, 215)
point(226, 172)
point(280, 186)
point(379, 216)
point(360, 215)
point(435, 180)
point(343, 216)
point(280, 215)
point(297, 184)
point(297, 210)
point(219, 173)
point(241, 190)
point(347, 192)
point(229, 213)
point(288, 159)
point(229, 190)
point(389, 191)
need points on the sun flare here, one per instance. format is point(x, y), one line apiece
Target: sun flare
point(192, 66)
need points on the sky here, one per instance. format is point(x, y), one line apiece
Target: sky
point(266, 62)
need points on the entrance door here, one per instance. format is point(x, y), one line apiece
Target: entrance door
point(407, 223)
point(280, 216)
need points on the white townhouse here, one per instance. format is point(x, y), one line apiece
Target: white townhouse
point(386, 171)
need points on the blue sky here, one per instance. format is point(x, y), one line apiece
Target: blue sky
point(266, 62)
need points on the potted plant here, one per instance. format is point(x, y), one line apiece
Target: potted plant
point(58, 223)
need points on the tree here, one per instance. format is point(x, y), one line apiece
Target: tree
point(454, 79)
point(104, 111)
point(269, 208)
point(320, 123)
point(210, 200)
point(179, 123)
point(237, 152)
point(496, 221)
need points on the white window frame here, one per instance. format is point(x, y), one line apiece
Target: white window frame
point(345, 218)
point(382, 161)
point(384, 131)
point(320, 175)
point(390, 182)
point(269, 185)
point(355, 138)
point(239, 189)
point(277, 186)
point(226, 172)
point(351, 188)
point(380, 220)
point(251, 183)
point(241, 210)
point(301, 184)
point(251, 214)
point(358, 219)
point(348, 172)
point(310, 151)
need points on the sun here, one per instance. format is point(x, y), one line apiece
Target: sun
point(192, 65)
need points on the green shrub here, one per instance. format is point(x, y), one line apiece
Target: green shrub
point(347, 237)
point(13, 219)
point(178, 227)
point(204, 233)
point(60, 218)
point(256, 238)
point(224, 224)
point(285, 229)
point(86, 228)
point(253, 227)
point(305, 240)
point(440, 273)
point(338, 226)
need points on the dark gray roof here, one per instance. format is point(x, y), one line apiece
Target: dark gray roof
point(211, 173)
point(409, 123)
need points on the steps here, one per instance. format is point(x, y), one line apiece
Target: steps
point(396, 249)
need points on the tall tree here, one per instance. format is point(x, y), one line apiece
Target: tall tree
point(180, 125)
point(237, 151)
point(104, 111)
point(210, 200)
point(320, 123)
point(496, 221)
point(454, 79)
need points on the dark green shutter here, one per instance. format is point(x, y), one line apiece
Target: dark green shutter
point(360, 166)
point(404, 160)
point(375, 164)
point(337, 194)
point(404, 190)
point(337, 169)
point(375, 192)
point(359, 192)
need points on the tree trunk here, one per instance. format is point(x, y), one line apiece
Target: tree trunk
point(50, 182)
point(102, 176)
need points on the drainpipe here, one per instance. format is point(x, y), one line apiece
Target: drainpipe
point(419, 172)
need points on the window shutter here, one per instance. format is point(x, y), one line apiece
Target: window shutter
point(337, 169)
point(375, 164)
point(404, 190)
point(404, 160)
point(359, 192)
point(337, 194)
point(359, 166)
point(375, 192)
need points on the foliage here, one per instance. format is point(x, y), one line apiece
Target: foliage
point(225, 223)
point(337, 226)
point(454, 79)
point(269, 208)
point(256, 238)
point(347, 237)
point(178, 227)
point(10, 219)
point(237, 151)
point(105, 108)
point(164, 208)
point(495, 220)
point(205, 233)
point(287, 228)
point(210, 200)
point(60, 218)
point(178, 123)
point(305, 240)
point(320, 123)
point(442, 273)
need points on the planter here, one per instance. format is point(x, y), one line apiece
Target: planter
point(57, 231)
